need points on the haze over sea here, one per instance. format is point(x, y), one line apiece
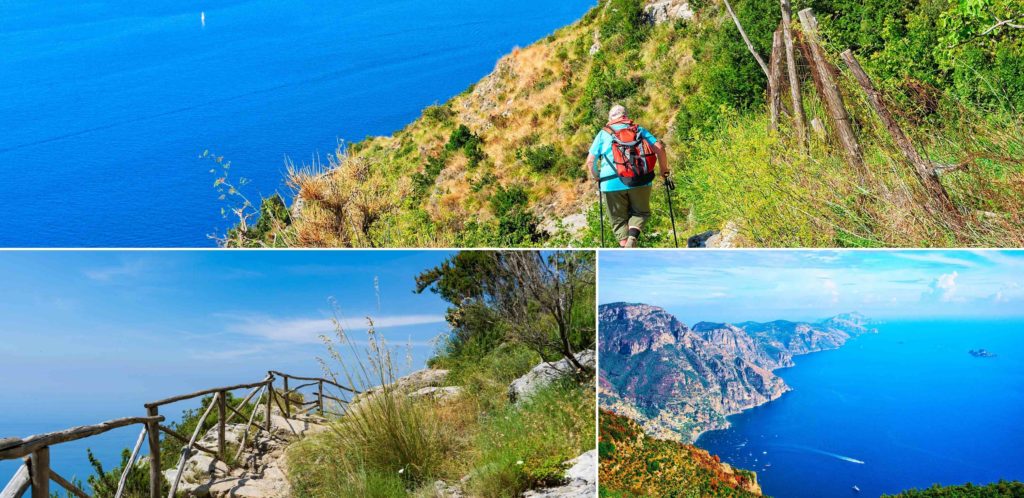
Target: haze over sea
point(108, 105)
point(905, 408)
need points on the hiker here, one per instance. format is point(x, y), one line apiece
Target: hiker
point(628, 154)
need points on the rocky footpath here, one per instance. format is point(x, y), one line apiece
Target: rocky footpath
point(260, 470)
point(678, 382)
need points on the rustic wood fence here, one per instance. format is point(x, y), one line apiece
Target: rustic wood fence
point(36, 473)
point(785, 41)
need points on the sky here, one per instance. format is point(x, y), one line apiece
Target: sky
point(100, 332)
point(735, 286)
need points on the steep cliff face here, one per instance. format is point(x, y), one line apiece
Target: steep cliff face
point(678, 382)
point(672, 380)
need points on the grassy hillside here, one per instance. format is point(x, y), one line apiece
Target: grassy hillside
point(500, 164)
point(633, 464)
point(392, 445)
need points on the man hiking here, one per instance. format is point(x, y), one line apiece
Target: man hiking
point(628, 154)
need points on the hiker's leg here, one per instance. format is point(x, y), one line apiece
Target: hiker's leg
point(618, 211)
point(639, 208)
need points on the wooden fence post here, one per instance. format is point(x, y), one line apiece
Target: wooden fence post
point(799, 118)
point(287, 409)
point(775, 79)
point(925, 170)
point(270, 400)
point(221, 417)
point(153, 434)
point(320, 396)
point(40, 472)
point(830, 92)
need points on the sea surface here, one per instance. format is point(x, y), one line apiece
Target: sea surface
point(107, 106)
point(905, 408)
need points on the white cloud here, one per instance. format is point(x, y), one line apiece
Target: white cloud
point(132, 268)
point(935, 257)
point(946, 285)
point(309, 330)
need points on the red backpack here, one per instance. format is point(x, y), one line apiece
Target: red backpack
point(632, 155)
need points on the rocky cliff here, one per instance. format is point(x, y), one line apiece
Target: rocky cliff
point(678, 382)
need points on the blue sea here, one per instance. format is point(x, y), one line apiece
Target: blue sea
point(108, 105)
point(905, 408)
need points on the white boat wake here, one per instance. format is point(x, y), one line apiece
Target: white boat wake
point(829, 454)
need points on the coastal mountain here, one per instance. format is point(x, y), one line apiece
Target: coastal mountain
point(678, 382)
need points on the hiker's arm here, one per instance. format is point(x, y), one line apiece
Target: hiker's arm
point(659, 150)
point(589, 166)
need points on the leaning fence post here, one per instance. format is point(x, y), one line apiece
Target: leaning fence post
point(153, 433)
point(221, 416)
point(40, 472)
point(830, 92)
point(924, 169)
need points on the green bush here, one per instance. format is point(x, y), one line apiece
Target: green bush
point(516, 224)
point(548, 159)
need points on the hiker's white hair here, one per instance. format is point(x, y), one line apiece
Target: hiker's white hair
point(617, 112)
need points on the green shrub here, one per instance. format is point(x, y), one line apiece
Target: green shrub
point(548, 159)
point(516, 224)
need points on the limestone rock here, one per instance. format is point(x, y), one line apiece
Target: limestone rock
point(437, 393)
point(726, 238)
point(574, 225)
point(581, 480)
point(546, 373)
point(668, 10)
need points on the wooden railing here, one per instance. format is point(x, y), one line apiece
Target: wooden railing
point(36, 473)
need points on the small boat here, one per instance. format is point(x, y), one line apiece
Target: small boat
point(856, 489)
point(202, 17)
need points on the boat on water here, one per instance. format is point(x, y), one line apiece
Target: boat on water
point(856, 489)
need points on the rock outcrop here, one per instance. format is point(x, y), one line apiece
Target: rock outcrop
point(678, 382)
point(660, 11)
point(581, 480)
point(546, 373)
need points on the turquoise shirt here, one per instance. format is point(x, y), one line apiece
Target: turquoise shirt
point(602, 151)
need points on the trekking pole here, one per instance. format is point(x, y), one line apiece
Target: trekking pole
point(600, 202)
point(669, 187)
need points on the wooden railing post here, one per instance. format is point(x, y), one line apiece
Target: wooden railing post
point(153, 433)
point(221, 426)
point(320, 396)
point(40, 472)
point(270, 400)
point(287, 409)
